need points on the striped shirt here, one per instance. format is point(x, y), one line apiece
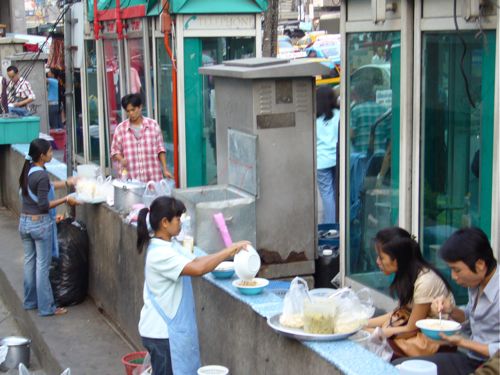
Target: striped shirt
point(141, 153)
point(20, 90)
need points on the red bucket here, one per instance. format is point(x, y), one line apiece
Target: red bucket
point(59, 136)
point(132, 361)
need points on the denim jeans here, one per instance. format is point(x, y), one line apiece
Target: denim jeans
point(159, 350)
point(37, 242)
point(20, 111)
point(326, 185)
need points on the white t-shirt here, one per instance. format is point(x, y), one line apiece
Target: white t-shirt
point(164, 263)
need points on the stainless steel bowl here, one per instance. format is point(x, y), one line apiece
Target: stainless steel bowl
point(19, 352)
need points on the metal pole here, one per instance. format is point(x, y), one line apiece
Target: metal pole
point(68, 66)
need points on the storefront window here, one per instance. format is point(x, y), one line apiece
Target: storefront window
point(457, 138)
point(112, 79)
point(200, 101)
point(373, 71)
point(92, 107)
point(165, 115)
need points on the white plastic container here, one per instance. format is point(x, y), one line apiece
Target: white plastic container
point(417, 367)
point(213, 370)
point(87, 170)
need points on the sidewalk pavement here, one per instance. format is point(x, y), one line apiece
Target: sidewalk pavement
point(8, 327)
point(82, 339)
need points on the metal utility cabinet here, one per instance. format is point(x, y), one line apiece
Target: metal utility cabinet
point(270, 102)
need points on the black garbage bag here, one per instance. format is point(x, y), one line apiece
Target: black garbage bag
point(69, 275)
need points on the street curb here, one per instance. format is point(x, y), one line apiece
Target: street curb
point(28, 327)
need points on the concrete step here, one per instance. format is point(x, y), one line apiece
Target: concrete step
point(82, 339)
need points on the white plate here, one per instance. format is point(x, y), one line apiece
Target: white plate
point(299, 334)
point(91, 201)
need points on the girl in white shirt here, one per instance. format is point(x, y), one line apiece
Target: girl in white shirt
point(168, 321)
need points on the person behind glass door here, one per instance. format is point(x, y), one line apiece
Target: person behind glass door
point(327, 129)
point(167, 323)
point(37, 226)
point(138, 144)
point(469, 255)
point(19, 92)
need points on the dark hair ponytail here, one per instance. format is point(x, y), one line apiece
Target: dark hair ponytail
point(161, 207)
point(401, 246)
point(38, 147)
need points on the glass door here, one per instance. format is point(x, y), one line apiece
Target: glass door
point(373, 136)
point(201, 154)
point(456, 138)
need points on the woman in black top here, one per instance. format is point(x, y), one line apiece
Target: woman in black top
point(37, 227)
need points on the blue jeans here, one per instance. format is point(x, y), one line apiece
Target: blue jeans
point(326, 185)
point(37, 242)
point(20, 111)
point(159, 350)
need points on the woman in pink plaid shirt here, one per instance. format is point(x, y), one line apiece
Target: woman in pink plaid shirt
point(138, 144)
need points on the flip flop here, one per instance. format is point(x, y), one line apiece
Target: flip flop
point(60, 311)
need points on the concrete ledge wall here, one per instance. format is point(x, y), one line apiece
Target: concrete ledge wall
point(230, 332)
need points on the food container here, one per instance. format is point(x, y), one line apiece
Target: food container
point(213, 370)
point(251, 287)
point(417, 367)
point(19, 352)
point(87, 171)
point(247, 263)
point(319, 315)
point(225, 270)
point(127, 193)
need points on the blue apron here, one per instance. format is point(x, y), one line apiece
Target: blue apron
point(182, 329)
point(52, 212)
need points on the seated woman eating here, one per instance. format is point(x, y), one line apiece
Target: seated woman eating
point(416, 283)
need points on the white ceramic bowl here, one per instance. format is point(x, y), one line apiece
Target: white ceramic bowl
point(247, 263)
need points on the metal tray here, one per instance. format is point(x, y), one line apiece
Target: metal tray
point(299, 334)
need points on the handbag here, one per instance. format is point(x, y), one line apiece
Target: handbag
point(409, 344)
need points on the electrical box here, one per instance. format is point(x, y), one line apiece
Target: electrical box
point(266, 146)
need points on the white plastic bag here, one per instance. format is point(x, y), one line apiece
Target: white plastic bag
point(293, 304)
point(165, 187)
point(145, 368)
point(4, 349)
point(150, 193)
point(377, 343)
point(352, 309)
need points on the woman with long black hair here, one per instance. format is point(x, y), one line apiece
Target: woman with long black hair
point(416, 284)
point(37, 227)
point(168, 322)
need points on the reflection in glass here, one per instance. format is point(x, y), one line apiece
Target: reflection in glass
point(164, 74)
point(92, 108)
point(112, 79)
point(215, 51)
point(457, 133)
point(137, 74)
point(373, 72)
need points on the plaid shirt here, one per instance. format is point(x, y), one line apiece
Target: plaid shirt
point(363, 116)
point(141, 154)
point(21, 90)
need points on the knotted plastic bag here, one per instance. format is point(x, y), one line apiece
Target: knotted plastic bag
point(352, 309)
point(293, 305)
point(377, 343)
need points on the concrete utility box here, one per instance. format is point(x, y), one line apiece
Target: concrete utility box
point(272, 102)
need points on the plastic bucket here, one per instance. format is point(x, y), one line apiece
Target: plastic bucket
point(132, 361)
point(59, 136)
